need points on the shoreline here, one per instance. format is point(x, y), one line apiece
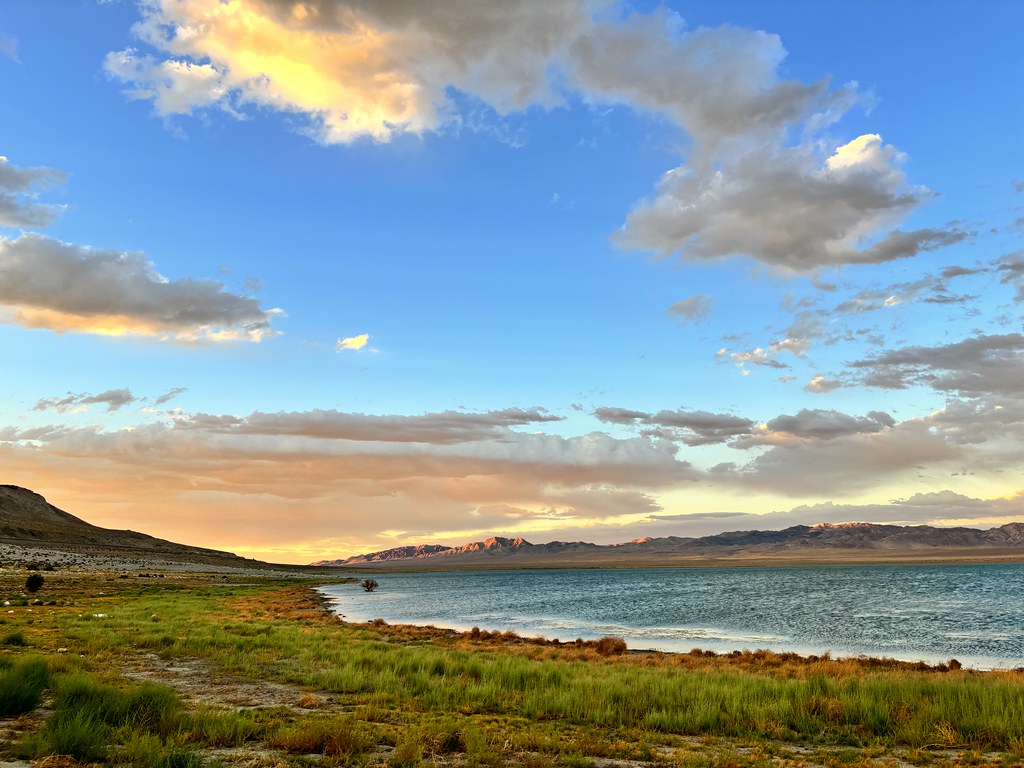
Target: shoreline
point(612, 561)
point(306, 679)
point(329, 604)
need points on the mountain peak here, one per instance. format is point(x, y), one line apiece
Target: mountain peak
point(852, 537)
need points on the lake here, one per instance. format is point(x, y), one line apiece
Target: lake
point(973, 613)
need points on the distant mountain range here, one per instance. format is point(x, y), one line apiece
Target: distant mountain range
point(827, 542)
point(29, 520)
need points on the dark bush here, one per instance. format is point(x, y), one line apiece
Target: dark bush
point(369, 584)
point(34, 583)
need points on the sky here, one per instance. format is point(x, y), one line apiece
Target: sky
point(302, 280)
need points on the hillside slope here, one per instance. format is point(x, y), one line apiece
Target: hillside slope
point(29, 520)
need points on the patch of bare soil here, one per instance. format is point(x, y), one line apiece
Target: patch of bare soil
point(201, 682)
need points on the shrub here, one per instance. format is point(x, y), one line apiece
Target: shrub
point(13, 638)
point(610, 646)
point(369, 584)
point(34, 583)
point(22, 686)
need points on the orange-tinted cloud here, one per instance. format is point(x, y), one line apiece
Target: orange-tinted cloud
point(45, 283)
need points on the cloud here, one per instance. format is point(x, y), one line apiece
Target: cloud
point(820, 385)
point(114, 399)
point(353, 342)
point(851, 458)
point(1011, 267)
point(45, 283)
point(977, 366)
point(445, 428)
point(226, 480)
point(692, 307)
point(175, 87)
point(241, 482)
point(719, 84)
point(9, 47)
point(169, 395)
point(690, 427)
point(755, 356)
point(940, 508)
point(788, 209)
point(378, 69)
point(957, 270)
point(981, 420)
point(357, 69)
point(828, 425)
point(933, 288)
point(16, 195)
point(353, 70)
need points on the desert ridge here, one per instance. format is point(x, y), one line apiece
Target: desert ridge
point(822, 543)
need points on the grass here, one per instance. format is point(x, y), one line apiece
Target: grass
point(339, 735)
point(370, 694)
point(22, 684)
point(13, 638)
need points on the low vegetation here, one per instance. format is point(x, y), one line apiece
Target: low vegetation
point(308, 689)
point(34, 583)
point(22, 682)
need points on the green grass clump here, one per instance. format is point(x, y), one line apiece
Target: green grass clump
point(13, 638)
point(338, 736)
point(77, 734)
point(180, 757)
point(22, 685)
point(219, 728)
point(87, 714)
point(149, 707)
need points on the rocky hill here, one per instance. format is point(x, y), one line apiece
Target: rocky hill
point(826, 542)
point(27, 520)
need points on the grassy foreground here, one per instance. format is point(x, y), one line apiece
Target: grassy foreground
point(189, 670)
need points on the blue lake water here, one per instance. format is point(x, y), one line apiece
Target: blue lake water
point(973, 613)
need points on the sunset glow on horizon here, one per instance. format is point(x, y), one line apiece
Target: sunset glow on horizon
point(302, 280)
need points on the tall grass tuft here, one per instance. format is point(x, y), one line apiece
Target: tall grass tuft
point(13, 638)
point(85, 712)
point(179, 757)
point(22, 685)
point(339, 736)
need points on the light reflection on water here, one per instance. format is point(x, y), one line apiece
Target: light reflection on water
point(974, 613)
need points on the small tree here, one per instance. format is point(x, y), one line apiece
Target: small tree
point(369, 584)
point(34, 583)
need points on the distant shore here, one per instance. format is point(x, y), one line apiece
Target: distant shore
point(838, 556)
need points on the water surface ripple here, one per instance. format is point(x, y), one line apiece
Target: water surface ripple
point(974, 613)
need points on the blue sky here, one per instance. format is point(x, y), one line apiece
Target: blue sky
point(302, 280)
